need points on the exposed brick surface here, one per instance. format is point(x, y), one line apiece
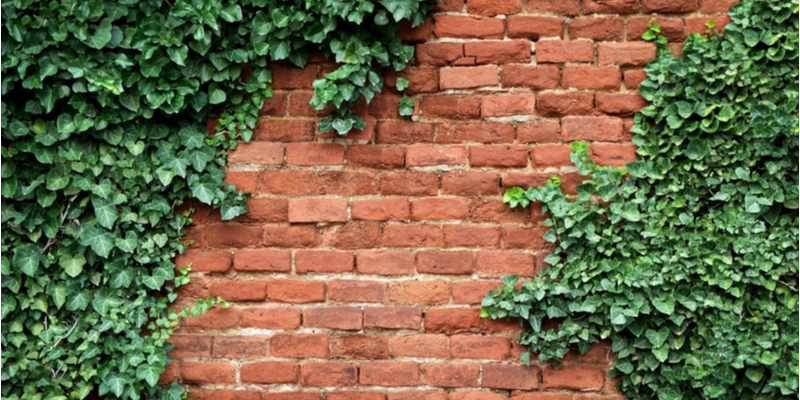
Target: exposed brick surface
point(563, 51)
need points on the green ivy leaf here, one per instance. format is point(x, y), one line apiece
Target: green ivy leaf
point(26, 259)
point(72, 264)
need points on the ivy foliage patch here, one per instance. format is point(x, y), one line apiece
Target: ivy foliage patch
point(686, 261)
point(104, 136)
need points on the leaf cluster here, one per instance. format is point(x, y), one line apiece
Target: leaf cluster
point(687, 259)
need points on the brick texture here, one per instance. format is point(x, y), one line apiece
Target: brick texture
point(359, 270)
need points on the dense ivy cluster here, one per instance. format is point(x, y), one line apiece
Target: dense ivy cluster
point(689, 265)
point(104, 137)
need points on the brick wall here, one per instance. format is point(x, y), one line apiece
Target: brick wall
point(358, 272)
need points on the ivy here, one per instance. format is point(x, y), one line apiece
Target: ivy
point(104, 139)
point(687, 259)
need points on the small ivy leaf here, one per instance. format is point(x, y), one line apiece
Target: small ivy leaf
point(8, 304)
point(204, 189)
point(128, 244)
point(27, 258)
point(216, 96)
point(79, 301)
point(106, 212)
point(106, 300)
point(402, 84)
point(100, 241)
point(231, 13)
point(72, 265)
point(407, 106)
point(149, 373)
point(58, 293)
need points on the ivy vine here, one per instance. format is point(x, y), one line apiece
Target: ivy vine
point(103, 125)
point(686, 260)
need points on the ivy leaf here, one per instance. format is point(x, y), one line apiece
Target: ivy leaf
point(72, 264)
point(115, 384)
point(128, 244)
point(203, 189)
point(27, 258)
point(105, 211)
point(8, 304)
point(149, 373)
point(101, 241)
point(231, 13)
point(101, 36)
point(79, 301)
point(657, 338)
point(121, 278)
point(665, 305)
point(106, 300)
point(58, 292)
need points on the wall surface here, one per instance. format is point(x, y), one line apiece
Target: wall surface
point(358, 272)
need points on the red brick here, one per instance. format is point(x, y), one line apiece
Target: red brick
point(508, 105)
point(586, 77)
point(325, 261)
point(409, 183)
point(190, 346)
point(403, 132)
point(620, 104)
point(614, 154)
point(205, 261)
point(241, 346)
point(483, 395)
point(551, 155)
point(470, 183)
point(573, 377)
point(716, 6)
point(439, 53)
point(517, 237)
point(698, 24)
point(230, 395)
point(296, 291)
point(633, 78)
point(284, 130)
point(480, 132)
point(385, 209)
point(469, 27)
point(671, 28)
point(610, 6)
point(353, 236)
point(280, 318)
point(499, 52)
point(496, 264)
point(344, 318)
point(495, 211)
point(292, 396)
point(480, 347)
point(595, 396)
point(265, 210)
point(372, 156)
point(559, 7)
point(607, 29)
point(418, 395)
point(494, 7)
point(452, 375)
point(356, 395)
point(299, 105)
point(515, 377)
point(471, 236)
point(291, 236)
point(468, 77)
point(631, 54)
point(347, 183)
point(357, 291)
point(393, 317)
point(216, 318)
point(502, 156)
point(208, 372)
point(293, 78)
point(526, 179)
point(230, 235)
point(360, 347)
point(269, 372)
point(536, 77)
point(563, 51)
point(424, 155)
point(607, 129)
point(450, 107)
point(384, 106)
point(535, 27)
point(239, 290)
point(261, 153)
point(472, 292)
point(669, 6)
point(420, 292)
point(539, 132)
point(314, 154)
point(544, 396)
point(289, 182)
point(432, 209)
point(451, 321)
point(565, 103)
point(445, 262)
point(300, 345)
point(386, 373)
point(262, 260)
point(599, 353)
point(418, 235)
point(326, 374)
point(275, 105)
point(427, 346)
point(317, 210)
point(385, 262)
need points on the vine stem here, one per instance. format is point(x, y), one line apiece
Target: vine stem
point(792, 288)
point(68, 333)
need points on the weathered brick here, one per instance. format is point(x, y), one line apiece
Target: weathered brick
point(190, 345)
point(428, 346)
point(416, 235)
point(269, 372)
point(356, 291)
point(326, 374)
point(289, 182)
point(518, 237)
point(630, 54)
point(450, 107)
point(409, 183)
point(389, 373)
point(432, 209)
point(614, 154)
point(314, 154)
point(372, 156)
point(418, 395)
point(508, 105)
point(495, 211)
point(468, 27)
point(229, 395)
point(478, 395)
point(538, 77)
point(216, 318)
point(205, 261)
point(716, 6)
point(425, 156)
point(480, 132)
point(279, 318)
point(291, 236)
point(300, 345)
point(445, 262)
point(499, 52)
point(472, 292)
point(419, 292)
point(494, 7)
point(317, 210)
point(348, 183)
point(495, 264)
point(480, 347)
point(403, 132)
point(421, 33)
point(292, 396)
point(606, 129)
point(385, 262)
point(472, 183)
point(698, 24)
point(502, 156)
point(293, 78)
point(230, 235)
point(515, 377)
point(393, 317)
point(344, 318)
point(360, 347)
point(587, 77)
point(633, 78)
point(275, 105)
point(559, 7)
point(451, 321)
point(573, 377)
point(471, 236)
point(526, 179)
point(539, 132)
point(468, 77)
point(208, 372)
point(669, 6)
point(170, 374)
point(326, 261)
point(452, 375)
point(671, 28)
point(299, 105)
point(535, 27)
point(243, 180)
point(544, 396)
point(551, 155)
point(262, 209)
point(599, 353)
point(563, 51)
point(353, 236)
point(607, 29)
point(610, 6)
point(355, 395)
point(296, 291)
point(385, 209)
point(620, 104)
point(565, 103)
point(241, 347)
point(239, 290)
point(439, 53)
point(261, 153)
point(284, 130)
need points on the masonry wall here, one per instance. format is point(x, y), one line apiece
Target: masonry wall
point(358, 272)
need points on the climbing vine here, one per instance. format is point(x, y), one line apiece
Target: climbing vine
point(687, 259)
point(104, 138)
